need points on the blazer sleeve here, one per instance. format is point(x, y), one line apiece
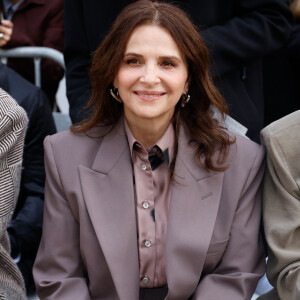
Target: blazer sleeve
point(243, 261)
point(281, 211)
point(58, 269)
point(260, 27)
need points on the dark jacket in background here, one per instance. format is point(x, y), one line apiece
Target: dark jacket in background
point(282, 79)
point(26, 227)
point(38, 23)
point(237, 33)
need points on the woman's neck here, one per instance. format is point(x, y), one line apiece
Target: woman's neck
point(148, 132)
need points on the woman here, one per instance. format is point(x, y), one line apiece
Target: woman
point(150, 197)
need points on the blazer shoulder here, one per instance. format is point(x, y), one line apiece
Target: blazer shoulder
point(283, 135)
point(245, 166)
point(243, 146)
point(281, 139)
point(74, 147)
point(13, 117)
point(68, 138)
point(245, 154)
point(244, 143)
point(288, 124)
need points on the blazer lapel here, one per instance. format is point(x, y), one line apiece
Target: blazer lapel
point(109, 197)
point(192, 214)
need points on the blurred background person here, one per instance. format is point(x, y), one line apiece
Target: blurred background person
point(281, 207)
point(34, 23)
point(237, 33)
point(25, 229)
point(13, 124)
point(281, 71)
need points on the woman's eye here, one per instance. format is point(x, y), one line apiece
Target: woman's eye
point(132, 61)
point(169, 64)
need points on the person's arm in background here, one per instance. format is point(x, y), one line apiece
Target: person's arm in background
point(13, 124)
point(86, 24)
point(52, 72)
point(260, 27)
point(294, 46)
point(26, 227)
point(281, 205)
point(77, 58)
point(294, 42)
point(6, 30)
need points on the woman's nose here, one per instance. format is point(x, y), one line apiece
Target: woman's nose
point(150, 75)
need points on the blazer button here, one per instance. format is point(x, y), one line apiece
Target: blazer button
point(145, 204)
point(147, 244)
point(145, 279)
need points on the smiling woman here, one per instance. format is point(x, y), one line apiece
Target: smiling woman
point(158, 201)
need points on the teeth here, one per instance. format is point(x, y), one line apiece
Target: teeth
point(149, 96)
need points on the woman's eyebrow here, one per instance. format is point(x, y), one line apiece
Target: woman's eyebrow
point(132, 54)
point(170, 57)
point(160, 57)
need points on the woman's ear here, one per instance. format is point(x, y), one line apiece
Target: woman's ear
point(186, 86)
point(115, 83)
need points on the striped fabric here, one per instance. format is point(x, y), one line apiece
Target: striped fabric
point(13, 122)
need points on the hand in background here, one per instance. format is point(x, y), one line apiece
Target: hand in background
point(6, 29)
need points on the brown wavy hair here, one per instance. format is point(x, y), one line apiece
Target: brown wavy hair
point(203, 130)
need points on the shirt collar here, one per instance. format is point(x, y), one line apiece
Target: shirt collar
point(167, 141)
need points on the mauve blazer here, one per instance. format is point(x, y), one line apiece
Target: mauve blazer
point(89, 245)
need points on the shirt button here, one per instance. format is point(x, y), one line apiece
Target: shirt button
point(147, 244)
point(145, 279)
point(144, 167)
point(145, 205)
point(154, 149)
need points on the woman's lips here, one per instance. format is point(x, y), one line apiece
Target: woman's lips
point(149, 95)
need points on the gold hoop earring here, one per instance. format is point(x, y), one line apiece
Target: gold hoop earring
point(115, 94)
point(185, 99)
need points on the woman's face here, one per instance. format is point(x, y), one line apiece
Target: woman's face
point(152, 76)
